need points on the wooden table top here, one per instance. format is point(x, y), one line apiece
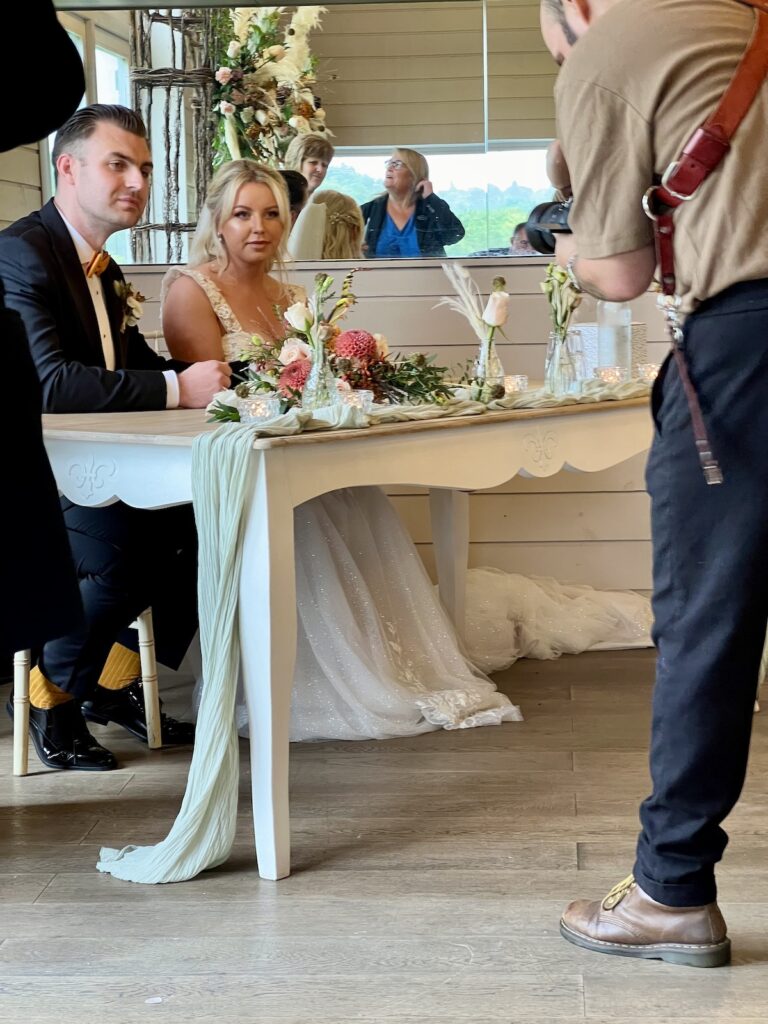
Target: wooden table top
point(179, 427)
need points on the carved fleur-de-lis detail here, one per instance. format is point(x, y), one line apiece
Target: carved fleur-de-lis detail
point(90, 476)
point(541, 446)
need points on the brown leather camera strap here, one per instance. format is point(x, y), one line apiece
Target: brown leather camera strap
point(700, 156)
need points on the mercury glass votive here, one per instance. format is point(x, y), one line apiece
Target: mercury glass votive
point(360, 398)
point(258, 408)
point(612, 374)
point(514, 382)
point(648, 372)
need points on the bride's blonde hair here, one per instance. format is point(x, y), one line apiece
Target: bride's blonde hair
point(219, 203)
point(344, 226)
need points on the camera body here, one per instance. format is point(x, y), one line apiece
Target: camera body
point(546, 221)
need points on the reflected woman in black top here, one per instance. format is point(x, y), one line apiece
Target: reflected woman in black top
point(408, 219)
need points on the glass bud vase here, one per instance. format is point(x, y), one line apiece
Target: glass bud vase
point(320, 389)
point(561, 371)
point(488, 372)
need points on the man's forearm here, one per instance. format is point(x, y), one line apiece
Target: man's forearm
point(616, 278)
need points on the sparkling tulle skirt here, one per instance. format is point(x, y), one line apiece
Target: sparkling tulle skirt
point(378, 658)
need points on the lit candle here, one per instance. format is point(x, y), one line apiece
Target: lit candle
point(613, 374)
point(359, 398)
point(514, 382)
point(648, 372)
point(258, 408)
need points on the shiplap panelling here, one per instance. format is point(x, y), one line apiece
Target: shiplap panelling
point(20, 191)
point(581, 528)
point(521, 73)
point(412, 74)
point(402, 74)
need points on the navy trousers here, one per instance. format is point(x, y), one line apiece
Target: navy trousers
point(126, 559)
point(710, 593)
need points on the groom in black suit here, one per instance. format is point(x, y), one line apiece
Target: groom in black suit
point(90, 357)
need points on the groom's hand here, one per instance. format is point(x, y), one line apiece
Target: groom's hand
point(200, 382)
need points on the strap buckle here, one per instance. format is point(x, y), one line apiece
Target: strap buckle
point(668, 176)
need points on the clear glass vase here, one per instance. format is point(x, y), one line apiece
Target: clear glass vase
point(488, 372)
point(563, 373)
point(320, 390)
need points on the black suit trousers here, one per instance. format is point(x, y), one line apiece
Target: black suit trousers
point(126, 559)
point(710, 551)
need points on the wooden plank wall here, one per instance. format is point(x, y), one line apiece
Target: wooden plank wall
point(580, 528)
point(20, 191)
point(412, 74)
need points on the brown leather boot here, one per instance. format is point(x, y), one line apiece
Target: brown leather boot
point(629, 923)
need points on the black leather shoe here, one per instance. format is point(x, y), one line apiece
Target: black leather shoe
point(61, 739)
point(126, 707)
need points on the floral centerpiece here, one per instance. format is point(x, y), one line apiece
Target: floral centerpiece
point(560, 372)
point(265, 78)
point(315, 363)
point(487, 377)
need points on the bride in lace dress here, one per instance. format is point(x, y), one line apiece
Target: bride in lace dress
point(376, 654)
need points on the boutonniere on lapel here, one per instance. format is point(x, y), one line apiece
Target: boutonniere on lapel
point(131, 302)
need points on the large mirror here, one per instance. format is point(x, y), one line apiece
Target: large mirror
point(466, 84)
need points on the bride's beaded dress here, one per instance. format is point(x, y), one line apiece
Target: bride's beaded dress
point(376, 654)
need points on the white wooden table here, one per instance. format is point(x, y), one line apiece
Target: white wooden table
point(145, 460)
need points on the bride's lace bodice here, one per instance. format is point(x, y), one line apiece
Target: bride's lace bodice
point(234, 339)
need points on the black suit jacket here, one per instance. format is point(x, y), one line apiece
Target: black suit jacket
point(44, 282)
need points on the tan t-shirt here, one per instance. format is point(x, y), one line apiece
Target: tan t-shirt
point(643, 78)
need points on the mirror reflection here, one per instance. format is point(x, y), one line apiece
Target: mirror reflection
point(411, 138)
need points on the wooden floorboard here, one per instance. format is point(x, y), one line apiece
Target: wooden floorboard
point(429, 878)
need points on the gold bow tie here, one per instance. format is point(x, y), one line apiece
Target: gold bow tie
point(98, 264)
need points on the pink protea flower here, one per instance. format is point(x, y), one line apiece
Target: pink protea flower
point(355, 345)
point(293, 377)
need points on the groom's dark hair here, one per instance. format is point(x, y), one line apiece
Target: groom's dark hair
point(84, 122)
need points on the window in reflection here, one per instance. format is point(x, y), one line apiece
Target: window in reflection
point(490, 193)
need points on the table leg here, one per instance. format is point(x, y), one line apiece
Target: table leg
point(268, 646)
point(449, 513)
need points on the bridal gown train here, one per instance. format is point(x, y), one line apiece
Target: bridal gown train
point(376, 654)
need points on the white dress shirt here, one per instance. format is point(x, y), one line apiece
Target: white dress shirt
point(85, 253)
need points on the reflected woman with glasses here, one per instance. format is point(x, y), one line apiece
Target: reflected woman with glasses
point(408, 219)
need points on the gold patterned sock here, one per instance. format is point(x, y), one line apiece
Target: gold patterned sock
point(122, 667)
point(44, 694)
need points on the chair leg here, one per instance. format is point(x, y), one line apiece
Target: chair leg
point(21, 666)
point(149, 678)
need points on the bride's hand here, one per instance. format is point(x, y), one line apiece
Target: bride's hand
point(200, 382)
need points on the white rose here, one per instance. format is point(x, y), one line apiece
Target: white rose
point(275, 52)
point(294, 348)
point(223, 75)
point(227, 108)
point(497, 310)
point(301, 124)
point(382, 348)
point(262, 116)
point(234, 48)
point(246, 115)
point(299, 316)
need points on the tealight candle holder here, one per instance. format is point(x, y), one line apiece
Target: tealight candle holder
point(358, 398)
point(648, 372)
point(515, 382)
point(258, 408)
point(612, 374)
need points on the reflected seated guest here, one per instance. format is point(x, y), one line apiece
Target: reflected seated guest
point(519, 244)
point(334, 232)
point(298, 192)
point(408, 219)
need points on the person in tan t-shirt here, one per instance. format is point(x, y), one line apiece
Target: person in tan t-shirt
point(638, 77)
